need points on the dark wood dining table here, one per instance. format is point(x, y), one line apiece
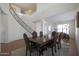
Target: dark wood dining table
point(41, 42)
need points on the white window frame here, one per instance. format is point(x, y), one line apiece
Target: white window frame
point(62, 28)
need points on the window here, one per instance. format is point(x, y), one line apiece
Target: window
point(63, 28)
point(59, 28)
point(49, 28)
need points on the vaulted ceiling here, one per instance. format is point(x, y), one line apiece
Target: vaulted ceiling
point(50, 11)
point(26, 7)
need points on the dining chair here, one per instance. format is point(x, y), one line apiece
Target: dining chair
point(66, 37)
point(29, 47)
point(50, 45)
point(34, 34)
point(59, 40)
point(27, 43)
point(54, 34)
point(52, 42)
point(42, 47)
point(41, 34)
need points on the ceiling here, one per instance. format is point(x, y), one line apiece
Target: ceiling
point(26, 6)
point(50, 11)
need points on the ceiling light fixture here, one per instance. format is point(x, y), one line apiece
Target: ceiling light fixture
point(30, 11)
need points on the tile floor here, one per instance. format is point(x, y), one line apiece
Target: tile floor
point(64, 51)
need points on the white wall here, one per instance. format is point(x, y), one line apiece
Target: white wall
point(0, 32)
point(77, 35)
point(0, 28)
point(3, 24)
point(15, 31)
point(11, 29)
point(4, 29)
point(77, 38)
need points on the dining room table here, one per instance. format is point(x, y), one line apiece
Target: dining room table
point(41, 42)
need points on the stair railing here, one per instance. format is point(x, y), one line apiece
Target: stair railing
point(19, 20)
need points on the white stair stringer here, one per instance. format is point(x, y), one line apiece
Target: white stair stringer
point(19, 20)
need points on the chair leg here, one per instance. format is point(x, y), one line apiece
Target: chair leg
point(55, 48)
point(37, 53)
point(40, 52)
point(52, 51)
point(30, 52)
point(58, 45)
point(26, 51)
